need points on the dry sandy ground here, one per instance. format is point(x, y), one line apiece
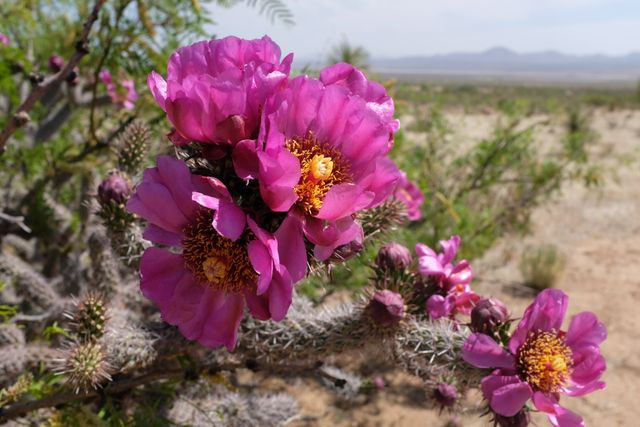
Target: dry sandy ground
point(599, 233)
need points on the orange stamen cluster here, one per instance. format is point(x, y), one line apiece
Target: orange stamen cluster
point(321, 168)
point(214, 260)
point(545, 361)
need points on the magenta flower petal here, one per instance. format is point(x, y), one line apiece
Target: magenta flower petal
point(482, 351)
point(461, 274)
point(262, 263)
point(344, 199)
point(373, 93)
point(159, 235)
point(430, 266)
point(327, 236)
point(546, 313)
point(506, 394)
point(558, 415)
point(291, 247)
point(278, 176)
point(258, 305)
point(411, 195)
point(450, 249)
point(158, 87)
point(280, 295)
point(424, 250)
point(146, 202)
point(245, 159)
point(221, 326)
point(439, 306)
point(585, 329)
point(160, 272)
point(588, 365)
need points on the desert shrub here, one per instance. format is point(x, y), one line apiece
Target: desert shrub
point(541, 266)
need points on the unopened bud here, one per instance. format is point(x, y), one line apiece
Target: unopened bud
point(56, 62)
point(114, 189)
point(393, 256)
point(74, 76)
point(487, 315)
point(446, 395)
point(386, 308)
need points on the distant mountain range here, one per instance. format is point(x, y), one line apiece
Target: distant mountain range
point(500, 61)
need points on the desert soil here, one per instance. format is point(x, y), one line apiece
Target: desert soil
point(598, 231)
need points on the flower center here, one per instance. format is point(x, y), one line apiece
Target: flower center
point(321, 168)
point(544, 361)
point(214, 260)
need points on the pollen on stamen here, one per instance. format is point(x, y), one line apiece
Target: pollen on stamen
point(544, 361)
point(321, 168)
point(214, 260)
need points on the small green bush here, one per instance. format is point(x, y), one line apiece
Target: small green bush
point(541, 266)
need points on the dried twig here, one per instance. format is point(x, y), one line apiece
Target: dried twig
point(21, 116)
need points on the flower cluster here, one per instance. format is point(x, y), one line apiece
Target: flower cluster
point(289, 164)
point(450, 282)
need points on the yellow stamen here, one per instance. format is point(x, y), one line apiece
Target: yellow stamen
point(545, 361)
point(216, 261)
point(215, 269)
point(321, 168)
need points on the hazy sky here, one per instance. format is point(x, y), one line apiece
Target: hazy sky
point(392, 28)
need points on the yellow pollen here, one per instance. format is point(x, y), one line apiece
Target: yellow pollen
point(215, 269)
point(215, 261)
point(321, 168)
point(544, 361)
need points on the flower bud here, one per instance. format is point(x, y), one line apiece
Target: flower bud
point(56, 62)
point(521, 419)
point(446, 395)
point(393, 256)
point(74, 76)
point(386, 308)
point(379, 383)
point(114, 188)
point(487, 315)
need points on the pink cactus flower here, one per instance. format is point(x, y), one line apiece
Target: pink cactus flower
point(222, 266)
point(456, 295)
point(373, 93)
point(4, 39)
point(541, 361)
point(411, 195)
point(215, 89)
point(125, 97)
point(321, 153)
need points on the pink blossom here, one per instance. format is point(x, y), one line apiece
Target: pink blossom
point(4, 39)
point(215, 89)
point(542, 361)
point(455, 295)
point(321, 153)
point(126, 96)
point(411, 195)
point(222, 266)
